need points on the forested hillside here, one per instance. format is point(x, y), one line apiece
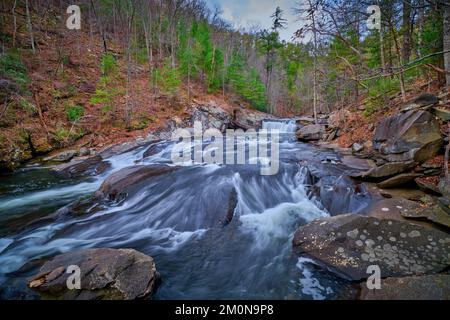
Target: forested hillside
point(134, 64)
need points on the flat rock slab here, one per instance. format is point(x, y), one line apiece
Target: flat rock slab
point(349, 244)
point(432, 287)
point(106, 274)
point(388, 170)
point(434, 214)
point(399, 180)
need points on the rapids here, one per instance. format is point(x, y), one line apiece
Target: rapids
point(173, 219)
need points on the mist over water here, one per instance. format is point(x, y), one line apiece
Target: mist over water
point(177, 219)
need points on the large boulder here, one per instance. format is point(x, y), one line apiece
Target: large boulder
point(311, 132)
point(211, 116)
point(410, 136)
point(349, 244)
point(81, 168)
point(118, 185)
point(432, 287)
point(105, 274)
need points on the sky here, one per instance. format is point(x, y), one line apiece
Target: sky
point(243, 13)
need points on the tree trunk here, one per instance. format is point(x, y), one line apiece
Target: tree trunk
point(447, 44)
point(382, 55)
point(420, 21)
point(30, 25)
point(15, 23)
point(406, 52)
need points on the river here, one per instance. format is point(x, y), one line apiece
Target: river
point(174, 218)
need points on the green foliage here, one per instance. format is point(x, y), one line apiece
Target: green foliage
point(246, 82)
point(64, 136)
point(74, 113)
point(197, 55)
point(101, 96)
point(168, 79)
point(11, 66)
point(108, 64)
point(378, 94)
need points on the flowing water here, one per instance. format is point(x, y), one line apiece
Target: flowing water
point(174, 218)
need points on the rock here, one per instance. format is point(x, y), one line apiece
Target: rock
point(63, 156)
point(86, 87)
point(106, 274)
point(442, 114)
point(398, 181)
point(444, 188)
point(388, 169)
point(423, 101)
point(411, 136)
point(368, 145)
point(91, 167)
point(444, 203)
point(211, 116)
point(432, 287)
point(119, 149)
point(434, 214)
point(154, 149)
point(349, 244)
point(7, 87)
point(311, 132)
point(357, 147)
point(305, 121)
point(427, 187)
point(118, 185)
point(84, 152)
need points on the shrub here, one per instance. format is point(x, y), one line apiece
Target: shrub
point(74, 113)
point(108, 64)
point(11, 66)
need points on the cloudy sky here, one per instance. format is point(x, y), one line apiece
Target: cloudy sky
point(243, 13)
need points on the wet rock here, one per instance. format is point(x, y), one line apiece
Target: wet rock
point(388, 169)
point(432, 287)
point(91, 167)
point(341, 195)
point(411, 136)
point(231, 207)
point(118, 185)
point(398, 181)
point(311, 132)
point(63, 156)
point(154, 149)
point(119, 149)
point(106, 274)
point(349, 244)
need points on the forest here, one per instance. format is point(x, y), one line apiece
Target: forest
point(351, 97)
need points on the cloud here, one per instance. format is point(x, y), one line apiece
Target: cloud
point(243, 13)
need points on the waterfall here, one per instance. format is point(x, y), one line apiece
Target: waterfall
point(282, 125)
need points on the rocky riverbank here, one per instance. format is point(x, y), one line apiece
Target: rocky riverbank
point(378, 214)
point(406, 230)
